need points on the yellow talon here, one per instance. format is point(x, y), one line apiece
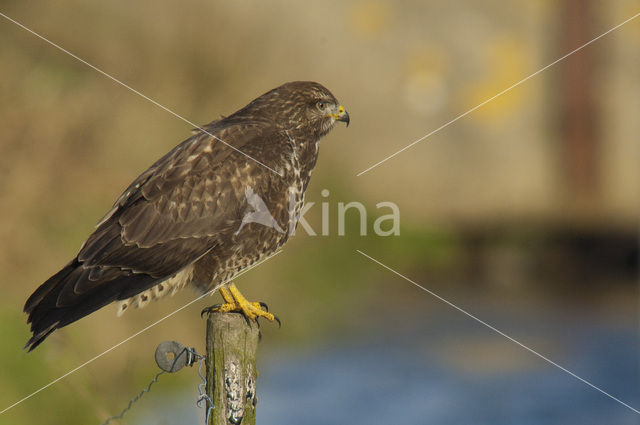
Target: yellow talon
point(235, 301)
point(226, 295)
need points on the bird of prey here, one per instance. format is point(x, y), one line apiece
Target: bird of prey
point(183, 221)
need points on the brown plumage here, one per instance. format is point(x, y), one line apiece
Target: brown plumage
point(177, 223)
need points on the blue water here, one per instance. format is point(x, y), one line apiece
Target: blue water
point(376, 385)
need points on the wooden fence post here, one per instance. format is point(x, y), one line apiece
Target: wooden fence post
point(232, 345)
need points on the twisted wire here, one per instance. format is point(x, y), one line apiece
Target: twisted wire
point(135, 399)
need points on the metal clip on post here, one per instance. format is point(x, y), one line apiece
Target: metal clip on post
point(171, 356)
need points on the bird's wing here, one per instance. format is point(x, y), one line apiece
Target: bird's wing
point(171, 215)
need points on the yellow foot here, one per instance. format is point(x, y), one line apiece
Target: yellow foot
point(235, 301)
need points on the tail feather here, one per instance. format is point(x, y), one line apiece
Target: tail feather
point(55, 304)
point(48, 286)
point(37, 339)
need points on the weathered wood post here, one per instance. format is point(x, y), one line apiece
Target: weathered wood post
point(232, 344)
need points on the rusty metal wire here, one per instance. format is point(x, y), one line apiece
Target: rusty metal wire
point(135, 399)
point(202, 392)
point(178, 352)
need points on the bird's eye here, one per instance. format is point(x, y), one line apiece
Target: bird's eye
point(321, 105)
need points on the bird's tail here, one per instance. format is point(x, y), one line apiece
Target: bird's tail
point(49, 308)
point(43, 301)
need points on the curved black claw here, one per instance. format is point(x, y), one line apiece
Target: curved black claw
point(264, 306)
point(274, 317)
point(209, 309)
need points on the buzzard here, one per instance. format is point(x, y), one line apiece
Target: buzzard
point(183, 221)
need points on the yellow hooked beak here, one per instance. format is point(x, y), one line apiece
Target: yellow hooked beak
point(342, 115)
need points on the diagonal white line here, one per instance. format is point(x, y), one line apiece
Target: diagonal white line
point(134, 335)
point(497, 95)
point(111, 77)
point(498, 331)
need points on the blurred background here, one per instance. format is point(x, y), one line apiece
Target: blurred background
point(524, 213)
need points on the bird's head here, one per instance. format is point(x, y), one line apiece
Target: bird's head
point(301, 105)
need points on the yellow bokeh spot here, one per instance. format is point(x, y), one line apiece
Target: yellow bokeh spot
point(429, 58)
point(626, 10)
point(372, 18)
point(507, 64)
